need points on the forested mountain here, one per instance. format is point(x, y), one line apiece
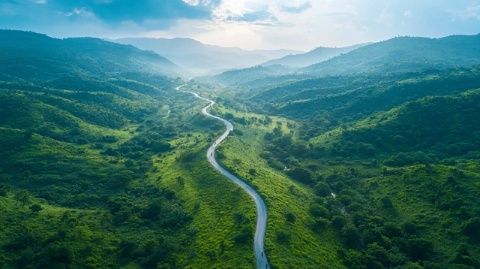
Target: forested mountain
point(394, 57)
point(80, 123)
point(203, 59)
point(404, 54)
point(30, 55)
point(392, 159)
point(314, 56)
point(404, 183)
point(448, 127)
point(351, 97)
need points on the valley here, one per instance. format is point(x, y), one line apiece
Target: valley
point(112, 157)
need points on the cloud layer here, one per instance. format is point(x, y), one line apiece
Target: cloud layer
point(298, 24)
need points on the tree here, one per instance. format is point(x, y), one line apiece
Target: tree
point(283, 237)
point(339, 221)
point(419, 249)
point(152, 211)
point(318, 211)
point(35, 208)
point(301, 175)
point(243, 236)
point(322, 189)
point(23, 197)
point(290, 217)
point(471, 228)
point(351, 237)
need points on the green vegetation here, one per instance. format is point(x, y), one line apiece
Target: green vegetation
point(106, 169)
point(102, 162)
point(384, 168)
point(290, 239)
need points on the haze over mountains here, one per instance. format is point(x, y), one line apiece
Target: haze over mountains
point(314, 56)
point(397, 55)
point(404, 54)
point(203, 59)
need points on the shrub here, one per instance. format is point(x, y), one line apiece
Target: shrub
point(471, 228)
point(322, 189)
point(283, 237)
point(290, 217)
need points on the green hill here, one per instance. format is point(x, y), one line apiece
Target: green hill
point(404, 183)
point(314, 56)
point(28, 55)
point(403, 55)
point(331, 100)
point(75, 154)
point(436, 127)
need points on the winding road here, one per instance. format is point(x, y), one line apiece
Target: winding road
point(258, 244)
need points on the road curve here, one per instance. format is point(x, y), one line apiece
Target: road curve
point(258, 244)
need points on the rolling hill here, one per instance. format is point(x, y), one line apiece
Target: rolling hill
point(73, 158)
point(315, 56)
point(29, 55)
point(403, 54)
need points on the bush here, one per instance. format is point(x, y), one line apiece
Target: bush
point(152, 211)
point(283, 237)
point(322, 189)
point(243, 236)
point(301, 175)
point(35, 208)
point(339, 222)
point(290, 217)
point(320, 224)
point(471, 228)
point(318, 211)
point(419, 249)
point(351, 237)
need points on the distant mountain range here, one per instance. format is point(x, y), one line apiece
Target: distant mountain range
point(203, 59)
point(30, 55)
point(317, 55)
point(404, 54)
point(393, 56)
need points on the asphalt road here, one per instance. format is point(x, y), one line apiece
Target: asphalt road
point(259, 239)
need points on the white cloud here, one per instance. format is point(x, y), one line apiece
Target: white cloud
point(303, 24)
point(472, 11)
point(80, 11)
point(192, 2)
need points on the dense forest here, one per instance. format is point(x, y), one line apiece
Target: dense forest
point(392, 160)
point(94, 157)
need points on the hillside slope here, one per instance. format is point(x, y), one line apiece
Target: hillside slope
point(448, 127)
point(404, 54)
point(400, 187)
point(30, 55)
point(97, 150)
point(314, 56)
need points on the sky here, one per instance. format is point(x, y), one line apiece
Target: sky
point(248, 24)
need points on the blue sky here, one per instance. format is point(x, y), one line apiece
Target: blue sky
point(251, 24)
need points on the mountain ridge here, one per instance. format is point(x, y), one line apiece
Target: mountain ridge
point(39, 55)
point(311, 57)
point(404, 54)
point(203, 59)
